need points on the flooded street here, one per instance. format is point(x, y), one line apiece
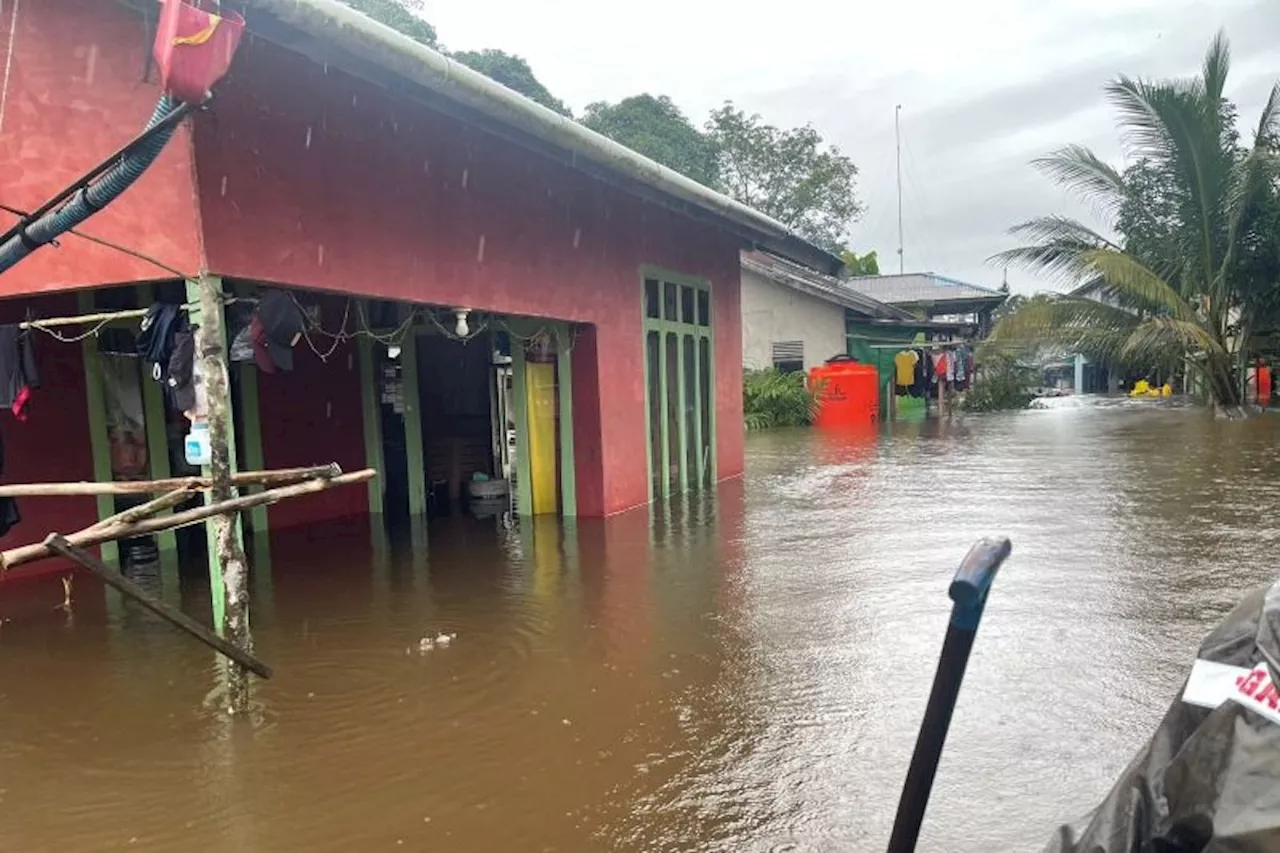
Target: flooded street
point(745, 674)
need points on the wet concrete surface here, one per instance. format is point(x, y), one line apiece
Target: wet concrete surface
point(743, 673)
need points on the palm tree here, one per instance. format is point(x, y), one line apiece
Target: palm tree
point(1172, 289)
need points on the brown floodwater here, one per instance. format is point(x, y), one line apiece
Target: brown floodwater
point(744, 673)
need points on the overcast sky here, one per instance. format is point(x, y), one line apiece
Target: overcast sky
point(985, 86)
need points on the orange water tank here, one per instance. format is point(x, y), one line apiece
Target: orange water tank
point(848, 393)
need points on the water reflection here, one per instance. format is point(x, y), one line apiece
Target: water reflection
point(742, 671)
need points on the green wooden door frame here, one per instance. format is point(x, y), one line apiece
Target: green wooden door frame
point(157, 429)
point(415, 449)
point(371, 416)
point(705, 468)
point(99, 442)
point(519, 406)
point(564, 386)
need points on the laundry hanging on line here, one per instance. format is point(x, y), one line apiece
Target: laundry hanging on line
point(18, 374)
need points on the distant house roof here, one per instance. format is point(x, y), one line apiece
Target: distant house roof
point(805, 280)
point(921, 289)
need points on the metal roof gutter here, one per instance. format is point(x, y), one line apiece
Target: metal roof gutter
point(332, 22)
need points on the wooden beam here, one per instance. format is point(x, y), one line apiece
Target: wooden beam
point(278, 477)
point(95, 535)
point(177, 618)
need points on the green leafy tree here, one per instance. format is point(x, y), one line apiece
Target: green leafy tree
point(403, 16)
point(513, 72)
point(791, 175)
point(656, 128)
point(866, 264)
point(1178, 286)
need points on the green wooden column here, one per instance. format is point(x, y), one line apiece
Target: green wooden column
point(158, 459)
point(414, 448)
point(371, 417)
point(520, 406)
point(564, 383)
point(217, 592)
point(99, 443)
point(255, 459)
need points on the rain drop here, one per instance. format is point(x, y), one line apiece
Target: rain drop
point(353, 100)
point(465, 174)
point(91, 64)
point(321, 254)
point(480, 251)
point(308, 138)
point(577, 237)
point(426, 167)
point(224, 186)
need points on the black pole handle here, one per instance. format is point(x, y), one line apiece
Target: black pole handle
point(969, 589)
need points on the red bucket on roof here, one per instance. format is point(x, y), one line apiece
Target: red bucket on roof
point(194, 47)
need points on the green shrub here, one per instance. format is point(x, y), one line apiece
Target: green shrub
point(771, 399)
point(1002, 383)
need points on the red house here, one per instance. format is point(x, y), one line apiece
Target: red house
point(470, 262)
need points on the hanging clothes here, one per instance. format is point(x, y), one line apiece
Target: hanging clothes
point(18, 376)
point(940, 367)
point(180, 371)
point(904, 364)
point(9, 515)
point(923, 376)
point(960, 367)
point(155, 338)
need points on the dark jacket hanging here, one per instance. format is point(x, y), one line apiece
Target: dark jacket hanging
point(18, 376)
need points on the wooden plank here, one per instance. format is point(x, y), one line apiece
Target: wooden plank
point(177, 618)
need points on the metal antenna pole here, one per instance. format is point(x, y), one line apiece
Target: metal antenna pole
point(897, 139)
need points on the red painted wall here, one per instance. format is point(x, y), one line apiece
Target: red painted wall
point(74, 95)
point(313, 416)
point(311, 178)
point(53, 444)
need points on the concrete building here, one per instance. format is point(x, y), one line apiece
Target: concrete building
point(795, 318)
point(389, 190)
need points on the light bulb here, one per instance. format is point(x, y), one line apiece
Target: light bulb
point(393, 351)
point(461, 329)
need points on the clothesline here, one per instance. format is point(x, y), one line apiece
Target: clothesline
point(925, 345)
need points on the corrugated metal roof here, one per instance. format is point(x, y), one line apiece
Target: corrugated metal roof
point(800, 278)
point(339, 36)
point(913, 288)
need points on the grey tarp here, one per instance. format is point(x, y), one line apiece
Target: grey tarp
point(1208, 780)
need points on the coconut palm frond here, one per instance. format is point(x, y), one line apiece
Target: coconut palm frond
point(1066, 322)
point(1137, 285)
point(1217, 66)
point(1168, 340)
point(1268, 130)
point(1055, 247)
point(1077, 168)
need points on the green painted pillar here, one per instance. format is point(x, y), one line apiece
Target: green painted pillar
point(217, 593)
point(371, 416)
point(158, 460)
point(413, 441)
point(99, 442)
point(564, 382)
point(682, 414)
point(664, 401)
point(520, 405)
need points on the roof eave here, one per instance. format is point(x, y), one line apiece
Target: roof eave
point(332, 23)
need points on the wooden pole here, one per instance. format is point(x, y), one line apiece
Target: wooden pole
point(277, 477)
point(60, 545)
point(146, 510)
point(228, 551)
point(96, 535)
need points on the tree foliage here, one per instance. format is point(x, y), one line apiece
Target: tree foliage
point(403, 16)
point(1003, 382)
point(791, 175)
point(656, 128)
point(1193, 274)
point(772, 399)
point(857, 264)
point(513, 72)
